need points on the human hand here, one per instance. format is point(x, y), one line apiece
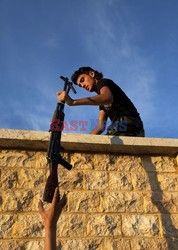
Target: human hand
point(51, 215)
point(64, 97)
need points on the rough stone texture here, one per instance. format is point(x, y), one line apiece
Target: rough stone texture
point(117, 244)
point(22, 244)
point(78, 225)
point(120, 181)
point(83, 244)
point(96, 180)
point(153, 244)
point(27, 225)
point(7, 222)
point(104, 225)
point(114, 201)
point(157, 202)
point(140, 225)
point(84, 202)
point(71, 180)
point(121, 202)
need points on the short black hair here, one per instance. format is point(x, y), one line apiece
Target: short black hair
point(85, 70)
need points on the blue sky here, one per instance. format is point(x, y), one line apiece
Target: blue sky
point(132, 42)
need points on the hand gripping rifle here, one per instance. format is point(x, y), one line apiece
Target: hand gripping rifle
point(54, 148)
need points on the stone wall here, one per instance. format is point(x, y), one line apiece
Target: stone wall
point(114, 200)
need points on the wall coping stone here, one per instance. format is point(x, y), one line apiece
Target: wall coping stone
point(38, 140)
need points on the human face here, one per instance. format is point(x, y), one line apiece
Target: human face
point(87, 81)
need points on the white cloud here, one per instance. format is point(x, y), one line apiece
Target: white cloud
point(52, 42)
point(111, 43)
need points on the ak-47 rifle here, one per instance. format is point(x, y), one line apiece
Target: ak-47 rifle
point(54, 147)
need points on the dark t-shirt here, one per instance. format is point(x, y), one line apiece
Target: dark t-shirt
point(121, 106)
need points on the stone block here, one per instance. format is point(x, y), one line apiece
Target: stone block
point(16, 200)
point(144, 182)
point(32, 178)
point(70, 180)
point(82, 161)
point(22, 245)
point(8, 178)
point(151, 244)
point(19, 200)
point(40, 160)
point(116, 244)
point(129, 164)
point(168, 182)
point(63, 228)
point(78, 225)
point(159, 164)
point(121, 202)
point(159, 202)
point(105, 162)
point(170, 225)
point(140, 225)
point(84, 202)
point(120, 181)
point(23, 178)
point(7, 223)
point(96, 180)
point(104, 225)
point(28, 225)
point(81, 244)
point(17, 158)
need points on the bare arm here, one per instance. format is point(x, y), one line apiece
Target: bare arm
point(50, 238)
point(105, 97)
point(101, 123)
point(50, 218)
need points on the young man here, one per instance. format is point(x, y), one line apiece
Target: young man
point(112, 102)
